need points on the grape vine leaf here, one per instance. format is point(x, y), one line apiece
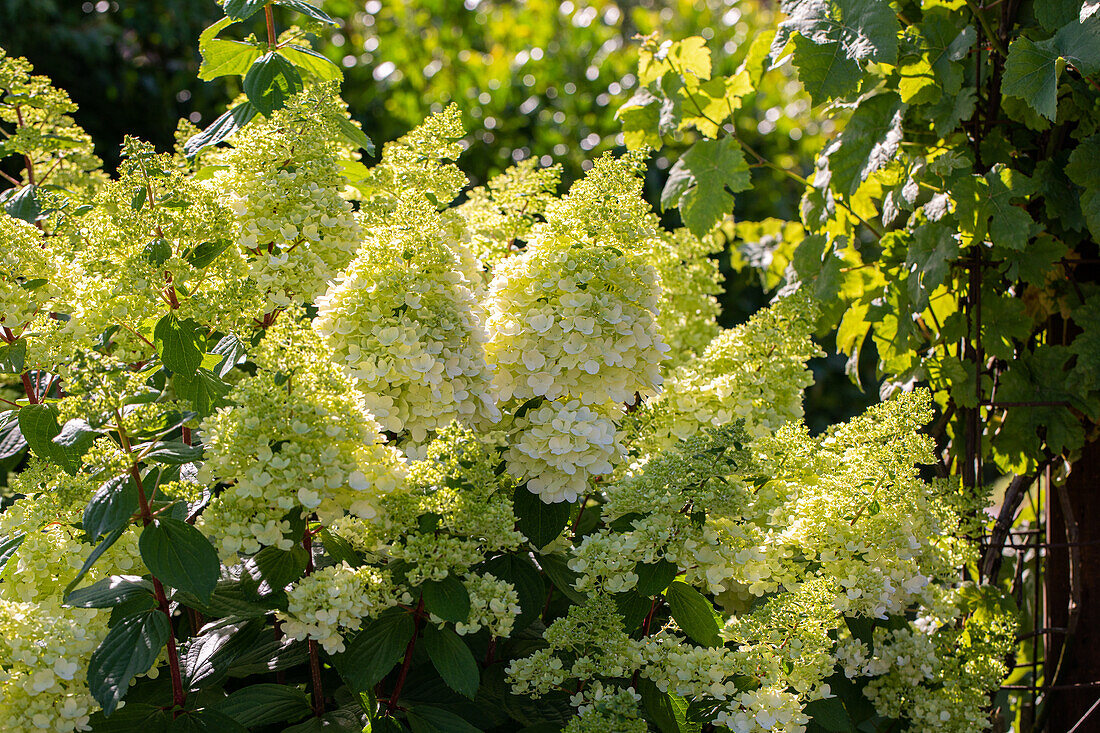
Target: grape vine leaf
point(703, 181)
point(1031, 73)
point(928, 260)
point(945, 45)
point(824, 70)
point(862, 29)
point(869, 141)
point(1032, 68)
point(1083, 171)
point(832, 37)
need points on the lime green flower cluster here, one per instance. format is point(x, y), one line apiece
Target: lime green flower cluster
point(404, 324)
point(606, 709)
point(299, 439)
point(755, 372)
point(333, 601)
point(285, 187)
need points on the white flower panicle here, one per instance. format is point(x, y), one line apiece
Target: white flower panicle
point(575, 320)
point(284, 185)
point(298, 440)
point(404, 324)
point(755, 373)
point(560, 446)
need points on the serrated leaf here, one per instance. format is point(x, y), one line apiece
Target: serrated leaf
point(655, 577)
point(703, 181)
point(13, 357)
point(109, 592)
point(1031, 73)
point(111, 507)
point(94, 555)
point(232, 350)
point(221, 129)
point(129, 649)
point(869, 141)
point(136, 716)
point(204, 390)
point(825, 72)
point(8, 548)
point(528, 583)
point(541, 523)
point(447, 598)
point(179, 343)
point(339, 549)
point(205, 721)
point(558, 572)
point(694, 613)
point(179, 555)
point(830, 715)
point(352, 132)
point(226, 58)
point(305, 8)
point(242, 9)
point(1084, 171)
point(173, 453)
point(430, 719)
point(453, 660)
point(375, 650)
point(205, 253)
point(667, 711)
point(862, 29)
point(206, 658)
point(38, 425)
point(316, 64)
point(11, 439)
point(24, 204)
point(265, 703)
point(270, 81)
point(640, 117)
point(272, 569)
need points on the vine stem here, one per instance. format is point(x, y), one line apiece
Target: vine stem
point(391, 706)
point(980, 17)
point(179, 695)
point(314, 655)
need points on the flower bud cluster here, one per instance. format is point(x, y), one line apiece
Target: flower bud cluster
point(606, 709)
point(587, 643)
point(334, 600)
point(32, 277)
point(494, 606)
